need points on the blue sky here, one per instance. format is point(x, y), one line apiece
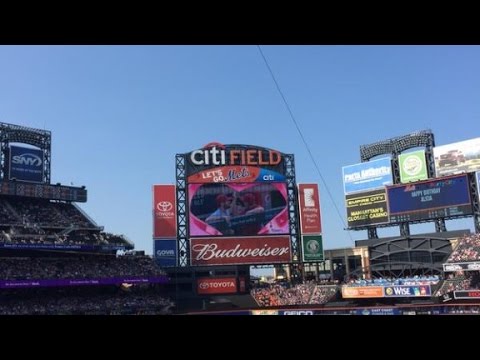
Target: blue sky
point(119, 114)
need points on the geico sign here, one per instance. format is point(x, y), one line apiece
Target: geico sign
point(298, 312)
point(216, 284)
point(27, 159)
point(217, 154)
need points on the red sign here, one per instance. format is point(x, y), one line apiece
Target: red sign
point(164, 211)
point(310, 208)
point(222, 174)
point(232, 251)
point(216, 286)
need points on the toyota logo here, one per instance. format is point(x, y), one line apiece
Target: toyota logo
point(164, 206)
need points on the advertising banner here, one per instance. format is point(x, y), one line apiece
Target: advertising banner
point(237, 251)
point(459, 157)
point(10, 284)
point(235, 174)
point(312, 248)
point(467, 294)
point(165, 251)
point(355, 292)
point(164, 211)
point(209, 286)
point(369, 175)
point(376, 311)
point(407, 291)
point(367, 208)
point(413, 166)
point(26, 164)
point(445, 197)
point(464, 266)
point(310, 217)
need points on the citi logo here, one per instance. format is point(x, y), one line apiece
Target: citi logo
point(27, 159)
point(165, 252)
point(164, 206)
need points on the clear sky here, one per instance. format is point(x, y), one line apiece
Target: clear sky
point(119, 114)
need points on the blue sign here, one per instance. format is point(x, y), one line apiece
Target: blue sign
point(407, 291)
point(445, 197)
point(376, 311)
point(369, 175)
point(26, 164)
point(165, 251)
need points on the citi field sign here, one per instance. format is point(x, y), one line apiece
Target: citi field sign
point(218, 163)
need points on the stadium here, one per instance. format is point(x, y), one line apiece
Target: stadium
point(234, 207)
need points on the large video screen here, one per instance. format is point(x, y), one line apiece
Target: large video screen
point(245, 209)
point(445, 197)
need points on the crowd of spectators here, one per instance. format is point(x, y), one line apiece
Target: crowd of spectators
point(283, 293)
point(90, 301)
point(460, 280)
point(467, 249)
point(39, 221)
point(85, 267)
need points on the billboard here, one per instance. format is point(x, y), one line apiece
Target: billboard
point(367, 208)
point(233, 163)
point(407, 291)
point(413, 166)
point(164, 211)
point(214, 286)
point(238, 251)
point(459, 157)
point(464, 266)
point(309, 200)
point(369, 175)
point(165, 252)
point(355, 292)
point(240, 209)
point(312, 248)
point(444, 197)
point(467, 294)
point(26, 164)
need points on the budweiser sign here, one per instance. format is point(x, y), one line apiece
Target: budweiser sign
point(216, 286)
point(232, 251)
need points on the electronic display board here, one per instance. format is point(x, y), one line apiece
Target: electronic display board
point(43, 191)
point(366, 208)
point(238, 209)
point(446, 197)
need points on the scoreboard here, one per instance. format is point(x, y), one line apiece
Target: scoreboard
point(445, 197)
point(43, 191)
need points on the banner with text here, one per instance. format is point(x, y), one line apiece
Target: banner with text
point(164, 211)
point(310, 218)
point(312, 248)
point(236, 251)
point(213, 286)
point(367, 208)
point(165, 252)
point(369, 175)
